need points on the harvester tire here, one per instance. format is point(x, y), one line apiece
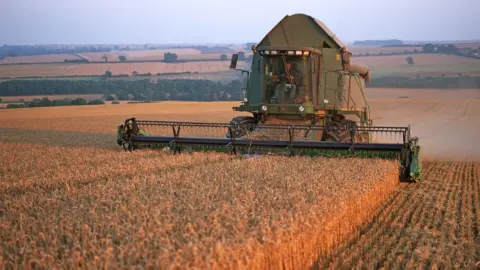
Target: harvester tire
point(339, 131)
point(241, 125)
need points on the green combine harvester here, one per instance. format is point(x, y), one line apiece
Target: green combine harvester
point(304, 97)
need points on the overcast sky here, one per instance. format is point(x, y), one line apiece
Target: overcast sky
point(216, 21)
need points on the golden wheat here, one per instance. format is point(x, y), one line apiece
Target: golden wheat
point(85, 207)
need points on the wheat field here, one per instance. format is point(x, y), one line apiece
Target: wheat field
point(71, 198)
point(87, 207)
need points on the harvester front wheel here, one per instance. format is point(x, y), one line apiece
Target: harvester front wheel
point(339, 131)
point(240, 125)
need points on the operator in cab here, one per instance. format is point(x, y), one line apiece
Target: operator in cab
point(287, 83)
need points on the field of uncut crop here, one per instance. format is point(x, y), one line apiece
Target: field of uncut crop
point(71, 197)
point(92, 207)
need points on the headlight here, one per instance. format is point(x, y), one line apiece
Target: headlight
point(264, 108)
point(245, 99)
point(301, 108)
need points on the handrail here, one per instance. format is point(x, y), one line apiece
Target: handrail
point(363, 94)
point(349, 93)
point(355, 75)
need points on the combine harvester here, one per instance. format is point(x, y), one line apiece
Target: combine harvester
point(304, 98)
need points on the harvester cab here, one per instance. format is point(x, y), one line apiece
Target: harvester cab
point(304, 96)
point(305, 78)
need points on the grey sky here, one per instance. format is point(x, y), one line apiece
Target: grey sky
point(215, 21)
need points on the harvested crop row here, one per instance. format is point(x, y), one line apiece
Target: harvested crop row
point(434, 224)
point(233, 213)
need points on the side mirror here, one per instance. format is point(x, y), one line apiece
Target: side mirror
point(233, 62)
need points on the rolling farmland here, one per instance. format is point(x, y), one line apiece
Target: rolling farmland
point(148, 55)
point(39, 58)
point(385, 50)
point(51, 70)
point(424, 65)
point(392, 65)
point(401, 49)
point(103, 207)
point(134, 55)
point(474, 45)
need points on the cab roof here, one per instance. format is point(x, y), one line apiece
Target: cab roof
point(301, 30)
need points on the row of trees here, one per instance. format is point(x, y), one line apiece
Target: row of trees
point(451, 49)
point(442, 48)
point(122, 58)
point(46, 102)
point(168, 57)
point(382, 42)
point(198, 90)
point(193, 90)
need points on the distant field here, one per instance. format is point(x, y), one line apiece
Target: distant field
point(48, 58)
point(223, 76)
point(51, 97)
point(474, 45)
point(142, 55)
point(386, 50)
point(139, 55)
point(424, 64)
point(50, 70)
point(392, 65)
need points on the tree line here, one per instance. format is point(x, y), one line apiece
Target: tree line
point(191, 90)
point(179, 89)
point(46, 102)
point(383, 42)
